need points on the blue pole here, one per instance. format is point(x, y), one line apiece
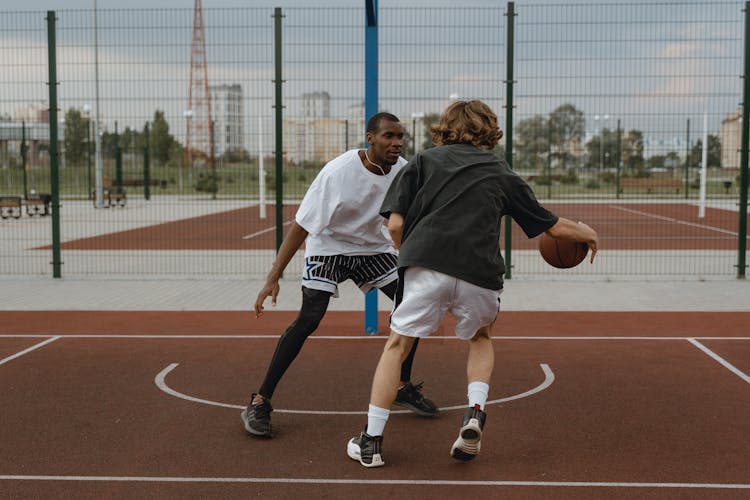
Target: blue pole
point(371, 108)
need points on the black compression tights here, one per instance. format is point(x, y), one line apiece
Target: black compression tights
point(314, 306)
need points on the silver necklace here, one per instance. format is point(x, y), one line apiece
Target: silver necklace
point(373, 163)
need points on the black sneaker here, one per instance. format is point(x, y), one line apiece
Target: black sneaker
point(410, 396)
point(257, 418)
point(469, 439)
point(367, 449)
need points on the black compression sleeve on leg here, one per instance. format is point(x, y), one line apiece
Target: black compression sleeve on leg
point(406, 365)
point(314, 306)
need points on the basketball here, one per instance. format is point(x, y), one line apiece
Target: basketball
point(562, 254)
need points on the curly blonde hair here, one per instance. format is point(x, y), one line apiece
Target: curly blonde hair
point(467, 122)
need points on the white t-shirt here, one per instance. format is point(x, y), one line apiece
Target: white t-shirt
point(341, 209)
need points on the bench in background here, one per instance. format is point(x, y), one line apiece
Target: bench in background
point(650, 183)
point(10, 206)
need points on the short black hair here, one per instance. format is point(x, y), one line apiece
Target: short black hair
point(373, 124)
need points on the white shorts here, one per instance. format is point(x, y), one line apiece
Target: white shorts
point(428, 295)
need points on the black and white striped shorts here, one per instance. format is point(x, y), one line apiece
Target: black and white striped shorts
point(325, 272)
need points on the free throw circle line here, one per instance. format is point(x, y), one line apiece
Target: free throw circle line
point(160, 381)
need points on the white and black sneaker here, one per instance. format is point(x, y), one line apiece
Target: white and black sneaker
point(469, 439)
point(368, 450)
point(257, 418)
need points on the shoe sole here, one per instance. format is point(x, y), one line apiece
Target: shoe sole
point(250, 430)
point(416, 409)
point(468, 444)
point(355, 453)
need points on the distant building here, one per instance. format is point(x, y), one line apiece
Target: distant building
point(355, 117)
point(730, 137)
point(314, 140)
point(227, 109)
point(316, 136)
point(316, 105)
point(32, 113)
point(37, 140)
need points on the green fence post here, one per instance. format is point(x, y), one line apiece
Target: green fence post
point(146, 166)
point(24, 157)
point(742, 232)
point(618, 161)
point(509, 128)
point(54, 173)
point(687, 158)
point(279, 129)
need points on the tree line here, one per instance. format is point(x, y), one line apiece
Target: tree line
point(560, 139)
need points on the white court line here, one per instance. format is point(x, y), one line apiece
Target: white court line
point(676, 221)
point(407, 482)
point(350, 337)
point(25, 351)
point(264, 231)
point(161, 383)
point(726, 364)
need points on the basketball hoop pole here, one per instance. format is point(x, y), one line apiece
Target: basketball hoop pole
point(371, 108)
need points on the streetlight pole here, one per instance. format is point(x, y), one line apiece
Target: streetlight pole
point(604, 118)
point(97, 135)
point(417, 115)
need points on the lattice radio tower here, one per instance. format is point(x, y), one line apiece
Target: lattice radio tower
point(200, 138)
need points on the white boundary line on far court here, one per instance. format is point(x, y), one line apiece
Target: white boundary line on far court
point(726, 364)
point(26, 351)
point(675, 221)
point(264, 231)
point(405, 482)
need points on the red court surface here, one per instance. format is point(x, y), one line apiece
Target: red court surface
point(583, 405)
point(632, 226)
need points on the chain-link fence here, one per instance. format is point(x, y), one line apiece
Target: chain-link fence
point(612, 104)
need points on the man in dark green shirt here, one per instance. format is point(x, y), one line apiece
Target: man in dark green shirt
point(444, 211)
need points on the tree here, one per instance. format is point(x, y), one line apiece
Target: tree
point(567, 129)
point(714, 152)
point(428, 120)
point(76, 137)
point(632, 151)
point(598, 158)
point(109, 142)
point(532, 144)
point(164, 147)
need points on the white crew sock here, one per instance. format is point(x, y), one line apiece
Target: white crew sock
point(478, 394)
point(376, 419)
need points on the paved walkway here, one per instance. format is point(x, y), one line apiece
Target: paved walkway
point(231, 294)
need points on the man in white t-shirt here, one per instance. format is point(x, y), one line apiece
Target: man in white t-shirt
point(339, 219)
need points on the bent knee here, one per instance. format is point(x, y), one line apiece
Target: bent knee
point(399, 343)
point(484, 333)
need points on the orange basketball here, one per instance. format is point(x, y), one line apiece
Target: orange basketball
point(562, 254)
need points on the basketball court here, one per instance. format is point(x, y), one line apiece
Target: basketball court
point(630, 389)
point(583, 405)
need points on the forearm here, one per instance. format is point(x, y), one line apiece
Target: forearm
point(292, 242)
point(396, 228)
point(566, 229)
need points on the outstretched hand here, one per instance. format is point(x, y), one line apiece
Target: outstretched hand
point(270, 288)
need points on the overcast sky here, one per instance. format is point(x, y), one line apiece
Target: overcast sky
point(172, 4)
point(651, 65)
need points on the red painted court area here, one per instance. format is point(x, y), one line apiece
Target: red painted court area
point(584, 405)
point(632, 226)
